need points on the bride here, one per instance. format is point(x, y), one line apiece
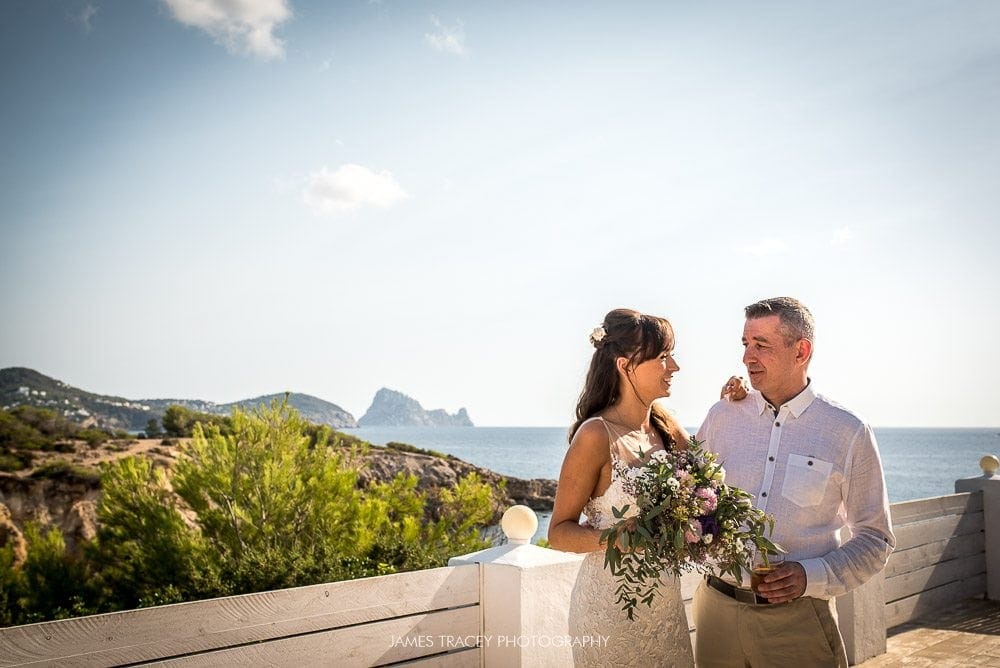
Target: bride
point(619, 426)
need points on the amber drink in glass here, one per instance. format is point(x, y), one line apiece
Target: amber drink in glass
point(763, 564)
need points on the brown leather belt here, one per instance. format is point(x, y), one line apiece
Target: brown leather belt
point(739, 593)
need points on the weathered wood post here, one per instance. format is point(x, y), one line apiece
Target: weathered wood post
point(861, 618)
point(989, 484)
point(525, 596)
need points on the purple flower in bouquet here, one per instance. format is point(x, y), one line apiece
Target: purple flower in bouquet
point(709, 526)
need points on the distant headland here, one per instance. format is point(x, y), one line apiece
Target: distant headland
point(23, 386)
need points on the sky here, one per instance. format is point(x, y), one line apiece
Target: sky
point(219, 199)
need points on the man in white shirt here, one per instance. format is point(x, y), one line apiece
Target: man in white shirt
point(815, 467)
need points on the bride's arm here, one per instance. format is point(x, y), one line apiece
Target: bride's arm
point(581, 470)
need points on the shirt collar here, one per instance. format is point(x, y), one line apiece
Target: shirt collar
point(797, 405)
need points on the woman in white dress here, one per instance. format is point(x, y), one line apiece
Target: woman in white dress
point(618, 425)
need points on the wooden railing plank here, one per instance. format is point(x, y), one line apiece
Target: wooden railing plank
point(915, 558)
point(903, 610)
point(933, 576)
point(907, 512)
point(373, 644)
point(930, 531)
point(466, 658)
point(152, 633)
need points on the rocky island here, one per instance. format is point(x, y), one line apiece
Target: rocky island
point(394, 409)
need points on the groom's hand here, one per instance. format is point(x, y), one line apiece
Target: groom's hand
point(785, 584)
point(735, 389)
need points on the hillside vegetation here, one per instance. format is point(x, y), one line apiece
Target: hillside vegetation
point(20, 386)
point(260, 500)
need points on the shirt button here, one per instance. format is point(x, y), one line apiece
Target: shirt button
point(764, 494)
point(777, 424)
point(770, 459)
point(810, 462)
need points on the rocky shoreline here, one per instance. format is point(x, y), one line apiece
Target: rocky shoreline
point(433, 471)
point(67, 499)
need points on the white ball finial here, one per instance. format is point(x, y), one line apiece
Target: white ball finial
point(519, 524)
point(989, 464)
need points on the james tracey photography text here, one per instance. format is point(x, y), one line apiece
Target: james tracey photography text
point(458, 642)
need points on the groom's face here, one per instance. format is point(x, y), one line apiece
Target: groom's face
point(770, 360)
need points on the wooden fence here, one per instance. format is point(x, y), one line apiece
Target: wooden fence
point(940, 555)
point(368, 622)
point(434, 617)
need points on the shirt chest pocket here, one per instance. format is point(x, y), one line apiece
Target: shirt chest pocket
point(806, 479)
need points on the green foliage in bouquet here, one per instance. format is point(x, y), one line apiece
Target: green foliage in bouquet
point(686, 518)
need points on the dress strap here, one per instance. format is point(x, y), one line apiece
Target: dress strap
point(613, 434)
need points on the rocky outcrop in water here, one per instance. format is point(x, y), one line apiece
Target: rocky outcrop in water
point(394, 409)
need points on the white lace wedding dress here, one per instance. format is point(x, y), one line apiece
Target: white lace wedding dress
point(658, 636)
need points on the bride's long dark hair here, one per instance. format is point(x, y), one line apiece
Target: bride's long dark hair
point(631, 334)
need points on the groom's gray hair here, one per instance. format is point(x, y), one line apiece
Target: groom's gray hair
point(796, 320)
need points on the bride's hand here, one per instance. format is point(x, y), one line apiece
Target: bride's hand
point(735, 389)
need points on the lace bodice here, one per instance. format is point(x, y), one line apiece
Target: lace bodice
point(628, 449)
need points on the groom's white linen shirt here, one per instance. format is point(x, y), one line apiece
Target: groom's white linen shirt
point(816, 468)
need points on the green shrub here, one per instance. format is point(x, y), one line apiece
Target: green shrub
point(146, 552)
point(268, 504)
point(62, 469)
point(93, 437)
point(406, 447)
point(179, 421)
point(153, 429)
point(15, 461)
point(50, 584)
point(274, 508)
point(16, 433)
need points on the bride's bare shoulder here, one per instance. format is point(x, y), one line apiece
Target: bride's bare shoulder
point(591, 437)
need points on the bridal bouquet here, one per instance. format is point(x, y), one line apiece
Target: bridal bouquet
point(688, 519)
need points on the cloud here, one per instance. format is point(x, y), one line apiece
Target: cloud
point(242, 26)
point(841, 236)
point(350, 188)
point(83, 18)
point(451, 40)
point(767, 247)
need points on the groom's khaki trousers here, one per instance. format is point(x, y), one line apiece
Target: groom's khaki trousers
point(731, 634)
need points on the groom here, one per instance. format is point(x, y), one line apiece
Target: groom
point(815, 467)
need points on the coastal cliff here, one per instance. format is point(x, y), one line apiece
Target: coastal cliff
point(63, 490)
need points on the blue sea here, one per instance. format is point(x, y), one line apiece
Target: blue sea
point(918, 462)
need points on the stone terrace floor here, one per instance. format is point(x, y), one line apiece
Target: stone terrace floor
point(967, 634)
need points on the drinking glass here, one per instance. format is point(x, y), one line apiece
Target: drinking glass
point(764, 562)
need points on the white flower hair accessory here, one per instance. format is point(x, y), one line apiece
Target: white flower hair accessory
point(598, 335)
